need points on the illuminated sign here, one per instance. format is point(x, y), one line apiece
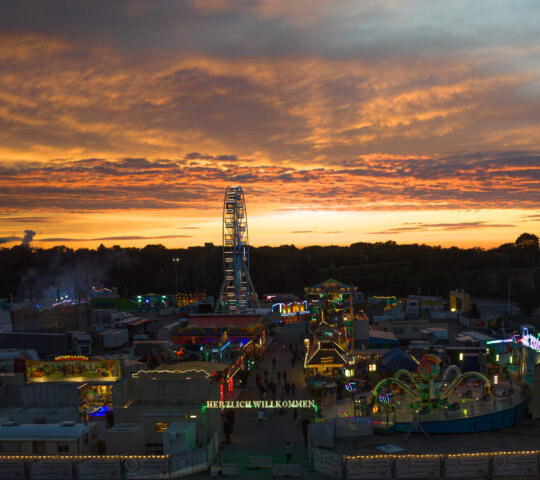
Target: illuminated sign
point(73, 371)
point(71, 358)
point(529, 340)
point(386, 399)
point(351, 387)
point(261, 404)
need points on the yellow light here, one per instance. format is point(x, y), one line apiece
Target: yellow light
point(510, 359)
point(497, 357)
point(460, 357)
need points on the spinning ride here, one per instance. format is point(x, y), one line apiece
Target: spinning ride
point(449, 403)
point(237, 291)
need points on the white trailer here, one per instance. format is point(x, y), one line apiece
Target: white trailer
point(115, 338)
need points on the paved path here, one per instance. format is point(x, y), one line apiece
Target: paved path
point(248, 439)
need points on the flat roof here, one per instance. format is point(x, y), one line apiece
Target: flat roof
point(478, 335)
point(382, 334)
point(131, 321)
point(50, 431)
point(125, 427)
point(224, 321)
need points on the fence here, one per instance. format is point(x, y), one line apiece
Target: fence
point(109, 467)
point(463, 465)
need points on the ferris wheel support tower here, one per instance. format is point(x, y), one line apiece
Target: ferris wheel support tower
point(237, 293)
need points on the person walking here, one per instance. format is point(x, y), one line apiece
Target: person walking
point(284, 375)
point(288, 452)
point(260, 416)
point(293, 389)
point(305, 424)
point(266, 377)
point(227, 428)
point(295, 415)
point(287, 388)
point(279, 377)
point(274, 363)
point(292, 361)
point(230, 417)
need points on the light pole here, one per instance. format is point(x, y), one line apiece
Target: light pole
point(176, 261)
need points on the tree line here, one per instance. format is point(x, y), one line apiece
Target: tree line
point(380, 268)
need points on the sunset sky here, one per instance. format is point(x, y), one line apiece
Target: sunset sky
point(122, 122)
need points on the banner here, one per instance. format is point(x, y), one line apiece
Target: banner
point(514, 464)
point(417, 467)
point(146, 468)
point(328, 463)
point(50, 470)
point(73, 371)
point(368, 468)
point(12, 470)
point(261, 404)
point(466, 467)
point(98, 469)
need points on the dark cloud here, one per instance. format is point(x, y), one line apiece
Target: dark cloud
point(10, 238)
point(126, 237)
point(425, 227)
point(490, 180)
point(220, 158)
point(24, 219)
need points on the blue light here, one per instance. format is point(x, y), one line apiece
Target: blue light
point(100, 411)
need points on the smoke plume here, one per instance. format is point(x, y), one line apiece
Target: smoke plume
point(28, 236)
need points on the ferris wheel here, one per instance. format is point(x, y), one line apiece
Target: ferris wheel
point(237, 290)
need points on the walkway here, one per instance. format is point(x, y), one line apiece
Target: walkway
point(248, 439)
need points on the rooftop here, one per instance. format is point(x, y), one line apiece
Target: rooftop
point(50, 431)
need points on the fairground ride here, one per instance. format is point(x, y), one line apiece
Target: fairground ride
point(237, 292)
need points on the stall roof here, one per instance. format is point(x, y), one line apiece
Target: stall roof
point(328, 354)
point(132, 321)
point(382, 334)
point(224, 321)
point(397, 359)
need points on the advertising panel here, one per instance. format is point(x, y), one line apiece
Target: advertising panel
point(417, 467)
point(12, 470)
point(50, 469)
point(514, 464)
point(73, 371)
point(368, 468)
point(328, 463)
point(146, 468)
point(98, 469)
point(466, 467)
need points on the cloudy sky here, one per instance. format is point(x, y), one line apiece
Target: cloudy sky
point(408, 120)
